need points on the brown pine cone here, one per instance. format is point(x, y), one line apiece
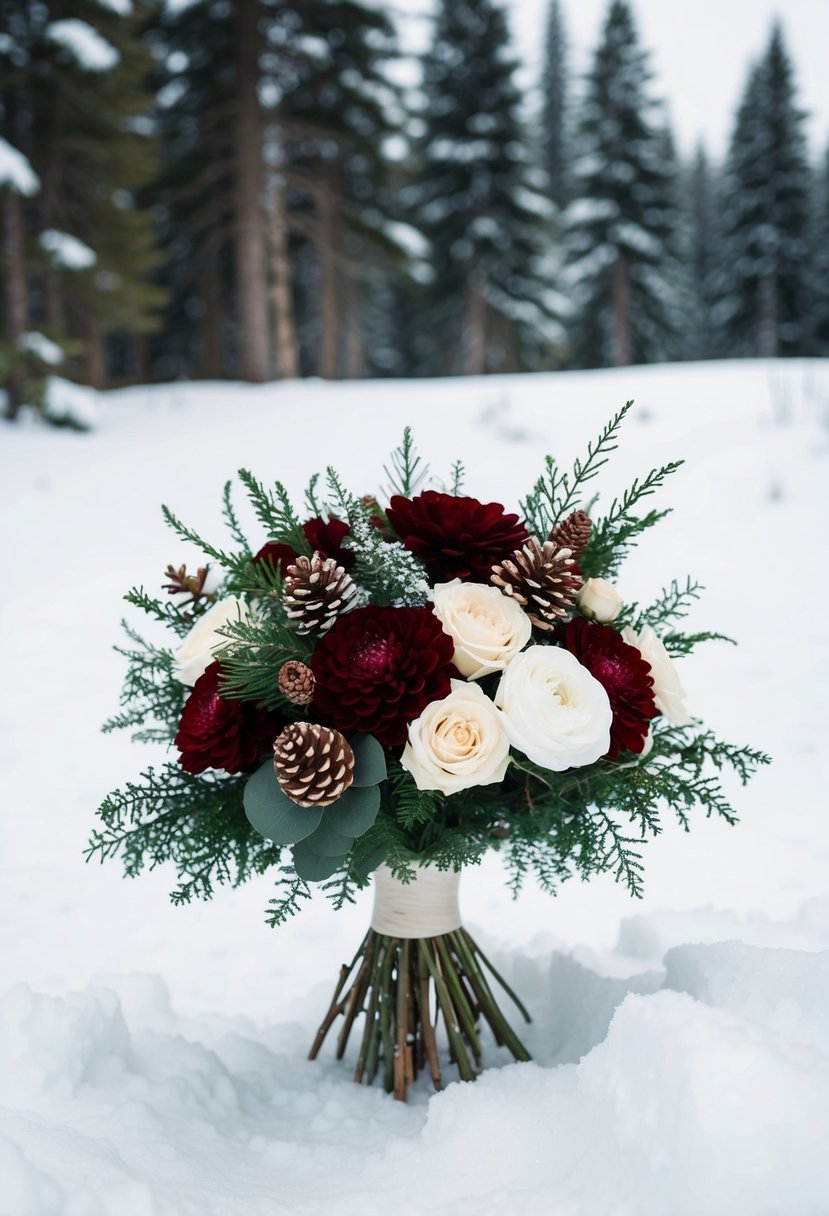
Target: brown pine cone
point(573, 533)
point(317, 591)
point(314, 764)
point(296, 682)
point(541, 579)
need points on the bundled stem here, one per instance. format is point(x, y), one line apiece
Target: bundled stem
point(405, 987)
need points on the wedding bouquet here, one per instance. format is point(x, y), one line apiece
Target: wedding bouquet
point(388, 687)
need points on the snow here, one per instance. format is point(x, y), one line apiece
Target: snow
point(15, 171)
point(43, 348)
point(90, 50)
point(123, 8)
point(66, 250)
point(152, 1059)
point(72, 404)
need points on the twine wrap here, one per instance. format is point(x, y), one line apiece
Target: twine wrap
point(425, 907)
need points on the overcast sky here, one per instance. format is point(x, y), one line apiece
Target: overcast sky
point(700, 51)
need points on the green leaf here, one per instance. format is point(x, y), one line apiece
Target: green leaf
point(326, 841)
point(369, 761)
point(272, 813)
point(356, 811)
point(310, 866)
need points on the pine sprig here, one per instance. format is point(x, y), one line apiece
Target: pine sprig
point(275, 512)
point(615, 534)
point(556, 493)
point(231, 518)
point(234, 562)
point(292, 892)
point(406, 470)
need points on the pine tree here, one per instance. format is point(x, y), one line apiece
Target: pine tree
point(762, 290)
point(621, 224)
point(701, 255)
point(481, 203)
point(555, 118)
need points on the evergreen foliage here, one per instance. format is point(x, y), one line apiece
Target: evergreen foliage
point(482, 203)
point(820, 260)
point(556, 137)
point(763, 286)
point(621, 224)
point(701, 225)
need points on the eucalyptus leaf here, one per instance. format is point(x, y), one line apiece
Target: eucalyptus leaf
point(355, 812)
point(272, 813)
point(310, 866)
point(326, 841)
point(369, 761)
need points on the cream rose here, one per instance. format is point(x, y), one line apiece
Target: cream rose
point(554, 711)
point(457, 743)
point(598, 600)
point(487, 627)
point(196, 652)
point(667, 686)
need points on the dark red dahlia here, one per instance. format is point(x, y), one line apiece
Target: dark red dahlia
point(624, 675)
point(217, 733)
point(326, 538)
point(455, 537)
point(377, 669)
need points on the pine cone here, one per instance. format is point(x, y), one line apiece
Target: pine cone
point(317, 591)
point(573, 533)
point(541, 579)
point(314, 764)
point(296, 682)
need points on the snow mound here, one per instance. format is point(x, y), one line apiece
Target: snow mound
point(35, 343)
point(716, 1105)
point(70, 404)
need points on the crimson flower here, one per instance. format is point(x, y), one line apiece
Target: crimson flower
point(377, 669)
point(624, 675)
point(326, 538)
point(455, 537)
point(217, 733)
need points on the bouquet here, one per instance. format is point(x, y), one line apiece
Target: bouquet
point(384, 689)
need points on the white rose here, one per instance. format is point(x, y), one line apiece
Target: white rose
point(196, 652)
point(667, 686)
point(554, 711)
point(457, 743)
point(487, 627)
point(598, 600)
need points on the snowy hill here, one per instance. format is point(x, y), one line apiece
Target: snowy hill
point(152, 1058)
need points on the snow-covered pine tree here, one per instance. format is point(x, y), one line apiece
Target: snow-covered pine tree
point(763, 285)
point(482, 204)
point(700, 232)
point(624, 274)
point(555, 111)
point(332, 112)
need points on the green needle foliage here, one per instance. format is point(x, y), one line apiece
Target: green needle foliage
point(548, 825)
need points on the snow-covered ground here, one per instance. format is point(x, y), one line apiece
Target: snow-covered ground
point(152, 1058)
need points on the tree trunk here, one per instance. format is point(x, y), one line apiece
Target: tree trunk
point(767, 319)
point(621, 313)
point(282, 296)
point(211, 362)
point(94, 352)
point(355, 353)
point(250, 251)
point(474, 330)
point(326, 253)
point(16, 301)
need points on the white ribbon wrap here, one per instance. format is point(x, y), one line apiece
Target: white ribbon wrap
point(425, 907)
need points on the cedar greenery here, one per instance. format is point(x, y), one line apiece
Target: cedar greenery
point(548, 825)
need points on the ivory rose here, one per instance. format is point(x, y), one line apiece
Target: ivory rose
point(196, 652)
point(599, 600)
point(457, 743)
point(554, 711)
point(667, 686)
point(487, 627)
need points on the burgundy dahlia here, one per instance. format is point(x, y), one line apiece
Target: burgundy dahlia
point(624, 675)
point(377, 669)
point(216, 733)
point(455, 537)
point(325, 538)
